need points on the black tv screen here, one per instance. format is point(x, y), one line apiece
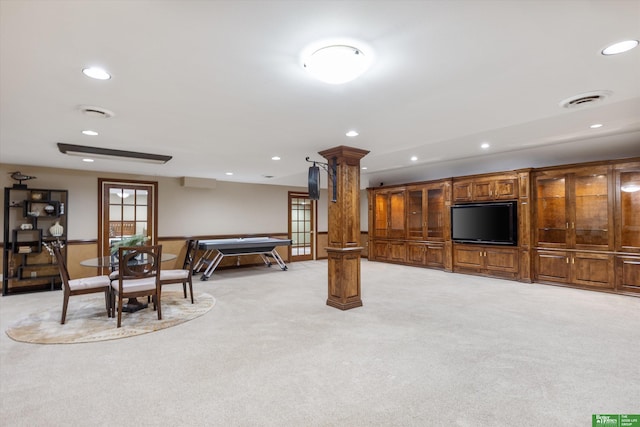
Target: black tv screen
point(492, 223)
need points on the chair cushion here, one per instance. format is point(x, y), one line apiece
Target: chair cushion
point(174, 274)
point(89, 283)
point(114, 275)
point(136, 285)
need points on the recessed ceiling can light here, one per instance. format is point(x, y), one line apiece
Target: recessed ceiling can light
point(631, 187)
point(364, 168)
point(352, 133)
point(620, 47)
point(336, 63)
point(88, 160)
point(485, 145)
point(229, 173)
point(96, 73)
point(596, 126)
point(90, 132)
point(275, 158)
point(414, 158)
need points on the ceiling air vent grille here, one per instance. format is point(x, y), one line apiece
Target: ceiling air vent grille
point(584, 99)
point(98, 112)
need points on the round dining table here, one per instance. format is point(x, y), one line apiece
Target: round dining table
point(111, 262)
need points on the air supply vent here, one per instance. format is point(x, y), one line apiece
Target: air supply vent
point(97, 112)
point(584, 99)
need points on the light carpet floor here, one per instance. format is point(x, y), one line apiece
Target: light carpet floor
point(428, 348)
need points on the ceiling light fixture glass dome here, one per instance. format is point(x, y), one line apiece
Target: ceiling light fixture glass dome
point(337, 64)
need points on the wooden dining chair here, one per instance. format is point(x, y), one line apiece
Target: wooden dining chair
point(82, 286)
point(138, 276)
point(185, 274)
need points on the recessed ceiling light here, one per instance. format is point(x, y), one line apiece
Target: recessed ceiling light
point(336, 63)
point(596, 126)
point(90, 132)
point(352, 133)
point(414, 158)
point(275, 158)
point(96, 73)
point(364, 168)
point(620, 47)
point(485, 145)
point(631, 187)
point(88, 160)
point(229, 173)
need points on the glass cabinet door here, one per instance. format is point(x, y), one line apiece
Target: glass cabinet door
point(414, 215)
point(591, 227)
point(397, 215)
point(629, 211)
point(551, 220)
point(381, 214)
point(435, 211)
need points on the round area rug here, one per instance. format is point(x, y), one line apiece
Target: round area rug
point(87, 320)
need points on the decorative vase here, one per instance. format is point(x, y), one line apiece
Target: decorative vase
point(56, 229)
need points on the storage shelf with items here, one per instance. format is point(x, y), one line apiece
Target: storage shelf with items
point(34, 219)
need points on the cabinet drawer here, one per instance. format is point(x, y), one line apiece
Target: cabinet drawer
point(552, 266)
point(505, 260)
point(628, 273)
point(467, 257)
point(592, 269)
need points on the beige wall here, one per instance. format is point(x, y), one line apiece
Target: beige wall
point(228, 209)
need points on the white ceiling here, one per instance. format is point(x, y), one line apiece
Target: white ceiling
point(218, 85)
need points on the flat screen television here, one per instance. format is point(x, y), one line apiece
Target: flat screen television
point(493, 223)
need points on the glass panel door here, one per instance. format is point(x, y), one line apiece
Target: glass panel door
point(551, 218)
point(128, 209)
point(592, 210)
point(630, 211)
point(435, 209)
point(301, 227)
point(414, 215)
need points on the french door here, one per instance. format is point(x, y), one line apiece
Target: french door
point(302, 214)
point(126, 208)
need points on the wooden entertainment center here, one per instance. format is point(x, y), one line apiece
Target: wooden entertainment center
point(577, 225)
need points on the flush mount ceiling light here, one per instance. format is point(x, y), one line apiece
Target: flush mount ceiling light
point(106, 153)
point(96, 73)
point(620, 47)
point(336, 63)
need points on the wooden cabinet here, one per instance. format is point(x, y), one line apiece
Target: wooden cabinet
point(389, 213)
point(33, 220)
point(578, 225)
point(426, 212)
point(410, 224)
point(574, 209)
point(484, 259)
point(591, 269)
point(477, 189)
point(385, 250)
point(426, 254)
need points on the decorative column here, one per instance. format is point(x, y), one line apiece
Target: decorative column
point(344, 226)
